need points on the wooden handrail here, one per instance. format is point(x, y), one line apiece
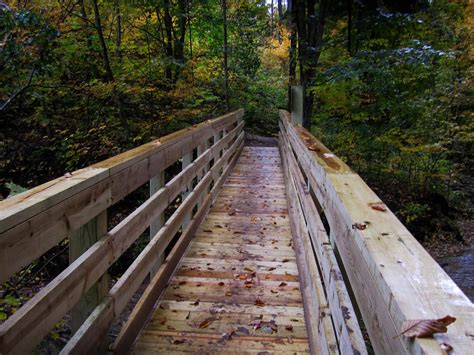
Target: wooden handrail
point(392, 276)
point(33, 222)
point(119, 176)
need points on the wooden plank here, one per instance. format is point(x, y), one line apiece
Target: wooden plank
point(212, 279)
point(23, 206)
point(384, 262)
point(50, 213)
point(36, 317)
point(128, 284)
point(349, 336)
point(143, 308)
point(156, 183)
point(321, 335)
point(79, 242)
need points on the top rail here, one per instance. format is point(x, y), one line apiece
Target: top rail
point(392, 276)
point(40, 219)
point(34, 221)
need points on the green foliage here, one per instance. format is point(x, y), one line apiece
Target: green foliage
point(394, 109)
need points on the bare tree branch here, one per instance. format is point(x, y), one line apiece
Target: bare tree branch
point(19, 92)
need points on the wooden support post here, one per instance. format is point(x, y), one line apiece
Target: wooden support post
point(200, 149)
point(157, 183)
point(185, 161)
point(79, 242)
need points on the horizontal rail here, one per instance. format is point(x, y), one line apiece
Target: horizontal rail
point(33, 222)
point(94, 328)
point(34, 319)
point(337, 303)
point(392, 276)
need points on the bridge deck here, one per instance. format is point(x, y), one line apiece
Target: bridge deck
point(237, 286)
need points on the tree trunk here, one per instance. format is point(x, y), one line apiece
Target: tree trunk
point(349, 27)
point(226, 72)
point(310, 36)
point(292, 60)
point(179, 42)
point(272, 19)
point(105, 54)
point(118, 35)
point(169, 41)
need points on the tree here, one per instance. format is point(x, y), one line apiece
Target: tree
point(103, 45)
point(225, 64)
point(310, 23)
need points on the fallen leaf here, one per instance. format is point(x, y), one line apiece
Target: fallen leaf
point(221, 283)
point(259, 303)
point(273, 291)
point(195, 303)
point(313, 147)
point(207, 231)
point(423, 328)
point(283, 284)
point(289, 328)
point(206, 322)
point(248, 269)
point(360, 226)
point(271, 268)
point(285, 260)
point(182, 283)
point(379, 206)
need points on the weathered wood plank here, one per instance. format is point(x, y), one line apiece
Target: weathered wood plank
point(82, 240)
point(36, 317)
point(33, 222)
point(141, 311)
point(321, 334)
point(384, 262)
point(348, 333)
point(227, 275)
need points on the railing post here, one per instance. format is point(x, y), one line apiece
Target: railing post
point(157, 183)
point(200, 149)
point(185, 161)
point(79, 242)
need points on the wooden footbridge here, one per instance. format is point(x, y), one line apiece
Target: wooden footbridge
point(251, 250)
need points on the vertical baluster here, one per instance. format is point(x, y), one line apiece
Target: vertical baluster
point(157, 183)
point(185, 161)
point(79, 242)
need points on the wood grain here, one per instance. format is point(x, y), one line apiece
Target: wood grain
point(226, 285)
point(393, 277)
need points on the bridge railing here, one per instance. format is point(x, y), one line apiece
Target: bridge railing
point(352, 243)
point(75, 206)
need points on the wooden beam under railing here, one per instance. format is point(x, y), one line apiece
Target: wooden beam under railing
point(34, 319)
point(393, 277)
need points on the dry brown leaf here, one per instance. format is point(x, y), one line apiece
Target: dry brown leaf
point(283, 284)
point(285, 260)
point(206, 322)
point(259, 303)
point(289, 328)
point(221, 283)
point(423, 328)
point(360, 226)
point(379, 206)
